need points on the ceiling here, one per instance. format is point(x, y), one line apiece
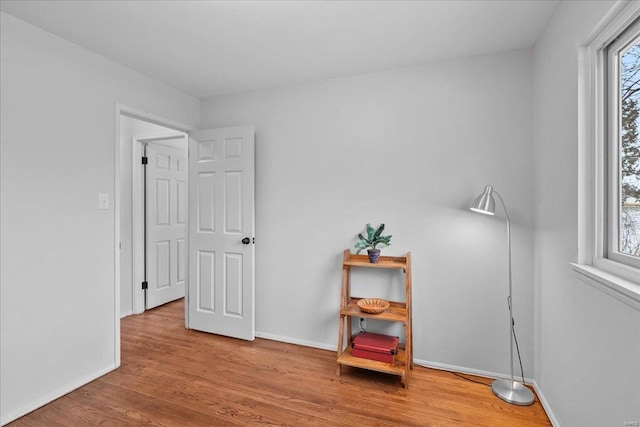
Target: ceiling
point(210, 48)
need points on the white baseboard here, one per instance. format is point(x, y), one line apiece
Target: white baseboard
point(545, 405)
point(465, 370)
point(488, 374)
point(50, 397)
point(288, 340)
point(14, 415)
point(426, 364)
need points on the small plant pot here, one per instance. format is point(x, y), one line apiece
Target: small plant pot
point(374, 255)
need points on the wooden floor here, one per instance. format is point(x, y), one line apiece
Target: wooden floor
point(171, 376)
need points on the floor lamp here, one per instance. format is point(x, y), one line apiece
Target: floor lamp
point(508, 390)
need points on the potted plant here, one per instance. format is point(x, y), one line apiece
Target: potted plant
point(373, 238)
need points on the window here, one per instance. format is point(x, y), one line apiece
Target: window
point(622, 149)
point(608, 149)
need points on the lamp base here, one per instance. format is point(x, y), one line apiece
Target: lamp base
point(512, 392)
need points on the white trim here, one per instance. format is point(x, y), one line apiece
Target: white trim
point(53, 395)
point(621, 289)
point(494, 375)
point(296, 341)
point(612, 120)
point(591, 155)
point(152, 118)
point(116, 237)
point(187, 248)
point(464, 370)
point(587, 188)
point(545, 404)
point(137, 227)
point(425, 364)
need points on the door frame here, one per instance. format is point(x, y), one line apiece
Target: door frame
point(138, 205)
point(124, 110)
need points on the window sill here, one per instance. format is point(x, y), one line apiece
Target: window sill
point(617, 287)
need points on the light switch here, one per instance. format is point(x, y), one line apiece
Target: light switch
point(103, 201)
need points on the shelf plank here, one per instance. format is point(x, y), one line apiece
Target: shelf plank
point(395, 313)
point(385, 262)
point(347, 359)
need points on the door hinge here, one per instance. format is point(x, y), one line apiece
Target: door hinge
point(145, 160)
point(145, 285)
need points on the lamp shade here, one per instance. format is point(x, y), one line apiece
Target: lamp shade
point(485, 203)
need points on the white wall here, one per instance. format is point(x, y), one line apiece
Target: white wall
point(132, 128)
point(587, 343)
point(411, 148)
point(431, 136)
point(57, 107)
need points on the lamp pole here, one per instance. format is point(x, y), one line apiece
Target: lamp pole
point(506, 214)
point(510, 391)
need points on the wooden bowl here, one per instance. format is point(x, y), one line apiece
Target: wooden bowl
point(373, 305)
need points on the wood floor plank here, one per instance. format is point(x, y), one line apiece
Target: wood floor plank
point(171, 376)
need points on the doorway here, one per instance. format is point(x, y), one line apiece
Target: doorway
point(220, 298)
point(152, 228)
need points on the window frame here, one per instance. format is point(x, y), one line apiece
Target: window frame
point(612, 77)
point(593, 265)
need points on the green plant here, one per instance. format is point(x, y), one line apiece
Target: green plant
point(374, 238)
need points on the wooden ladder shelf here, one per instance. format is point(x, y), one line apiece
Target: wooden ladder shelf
point(397, 312)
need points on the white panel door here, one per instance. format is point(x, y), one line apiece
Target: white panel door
point(166, 224)
point(220, 297)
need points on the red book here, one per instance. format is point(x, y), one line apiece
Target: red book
point(375, 347)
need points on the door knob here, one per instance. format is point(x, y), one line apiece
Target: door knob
point(246, 241)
